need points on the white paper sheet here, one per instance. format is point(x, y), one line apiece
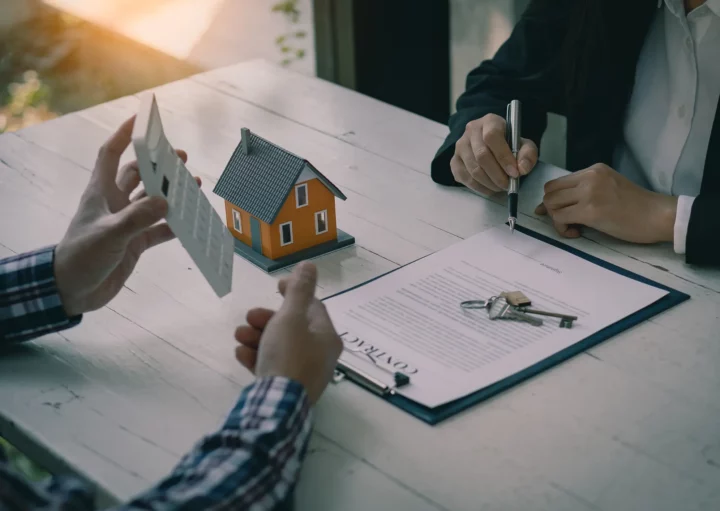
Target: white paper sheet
point(411, 321)
point(190, 215)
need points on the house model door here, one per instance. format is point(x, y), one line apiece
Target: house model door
point(255, 235)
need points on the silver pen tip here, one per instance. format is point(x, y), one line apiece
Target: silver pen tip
point(512, 225)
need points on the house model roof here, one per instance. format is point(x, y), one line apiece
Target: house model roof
point(260, 179)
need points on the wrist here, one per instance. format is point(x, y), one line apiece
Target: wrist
point(287, 376)
point(662, 217)
point(63, 280)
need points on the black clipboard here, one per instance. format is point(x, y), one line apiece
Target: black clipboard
point(438, 414)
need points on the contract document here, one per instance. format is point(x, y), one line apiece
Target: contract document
point(410, 320)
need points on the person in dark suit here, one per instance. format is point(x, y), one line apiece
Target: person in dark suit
point(639, 84)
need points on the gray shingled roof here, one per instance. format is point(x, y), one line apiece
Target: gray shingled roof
point(260, 182)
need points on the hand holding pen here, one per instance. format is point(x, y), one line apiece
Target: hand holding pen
point(483, 160)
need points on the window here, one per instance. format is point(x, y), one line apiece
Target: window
point(286, 235)
point(301, 195)
point(321, 222)
point(237, 221)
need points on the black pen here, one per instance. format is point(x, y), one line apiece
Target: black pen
point(512, 133)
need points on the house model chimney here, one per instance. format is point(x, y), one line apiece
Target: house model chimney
point(245, 141)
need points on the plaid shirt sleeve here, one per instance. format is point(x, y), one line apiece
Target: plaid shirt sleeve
point(30, 305)
point(252, 463)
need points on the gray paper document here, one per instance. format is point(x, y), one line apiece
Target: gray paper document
point(190, 215)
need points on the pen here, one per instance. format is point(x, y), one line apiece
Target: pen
point(346, 370)
point(512, 133)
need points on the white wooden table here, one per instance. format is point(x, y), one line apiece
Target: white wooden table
point(634, 424)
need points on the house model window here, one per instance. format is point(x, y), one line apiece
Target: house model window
point(286, 234)
point(301, 195)
point(237, 221)
point(321, 222)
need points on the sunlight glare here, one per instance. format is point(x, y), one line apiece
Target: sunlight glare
point(171, 26)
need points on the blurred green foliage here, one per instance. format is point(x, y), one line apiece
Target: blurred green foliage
point(22, 464)
point(288, 43)
point(26, 103)
point(54, 63)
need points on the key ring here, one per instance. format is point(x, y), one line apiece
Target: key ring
point(478, 304)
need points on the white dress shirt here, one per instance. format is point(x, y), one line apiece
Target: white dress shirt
point(671, 113)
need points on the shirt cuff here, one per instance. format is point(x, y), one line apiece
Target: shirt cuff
point(682, 221)
point(271, 398)
point(30, 304)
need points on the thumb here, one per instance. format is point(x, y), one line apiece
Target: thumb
point(299, 290)
point(541, 210)
point(138, 216)
point(527, 156)
point(320, 319)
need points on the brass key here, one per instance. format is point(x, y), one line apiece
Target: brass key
point(566, 320)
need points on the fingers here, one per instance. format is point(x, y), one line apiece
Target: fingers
point(138, 216)
point(572, 231)
point(109, 156)
point(299, 292)
point(464, 151)
point(128, 178)
point(484, 154)
point(248, 336)
point(494, 137)
point(247, 357)
point(567, 231)
point(527, 156)
point(259, 318)
point(564, 219)
point(564, 182)
point(157, 235)
point(567, 221)
point(561, 198)
point(463, 176)
point(569, 215)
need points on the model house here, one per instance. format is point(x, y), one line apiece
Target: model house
point(279, 208)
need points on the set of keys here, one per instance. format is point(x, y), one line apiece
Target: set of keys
point(515, 306)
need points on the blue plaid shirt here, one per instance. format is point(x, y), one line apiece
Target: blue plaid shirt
point(251, 463)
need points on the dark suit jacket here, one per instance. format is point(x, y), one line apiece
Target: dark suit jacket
point(530, 67)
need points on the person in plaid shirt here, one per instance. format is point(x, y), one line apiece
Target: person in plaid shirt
point(254, 460)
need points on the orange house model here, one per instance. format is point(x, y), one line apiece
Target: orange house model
point(279, 208)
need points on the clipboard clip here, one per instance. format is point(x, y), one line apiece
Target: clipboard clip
point(344, 370)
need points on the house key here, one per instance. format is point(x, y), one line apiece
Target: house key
point(504, 307)
point(501, 309)
point(566, 321)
